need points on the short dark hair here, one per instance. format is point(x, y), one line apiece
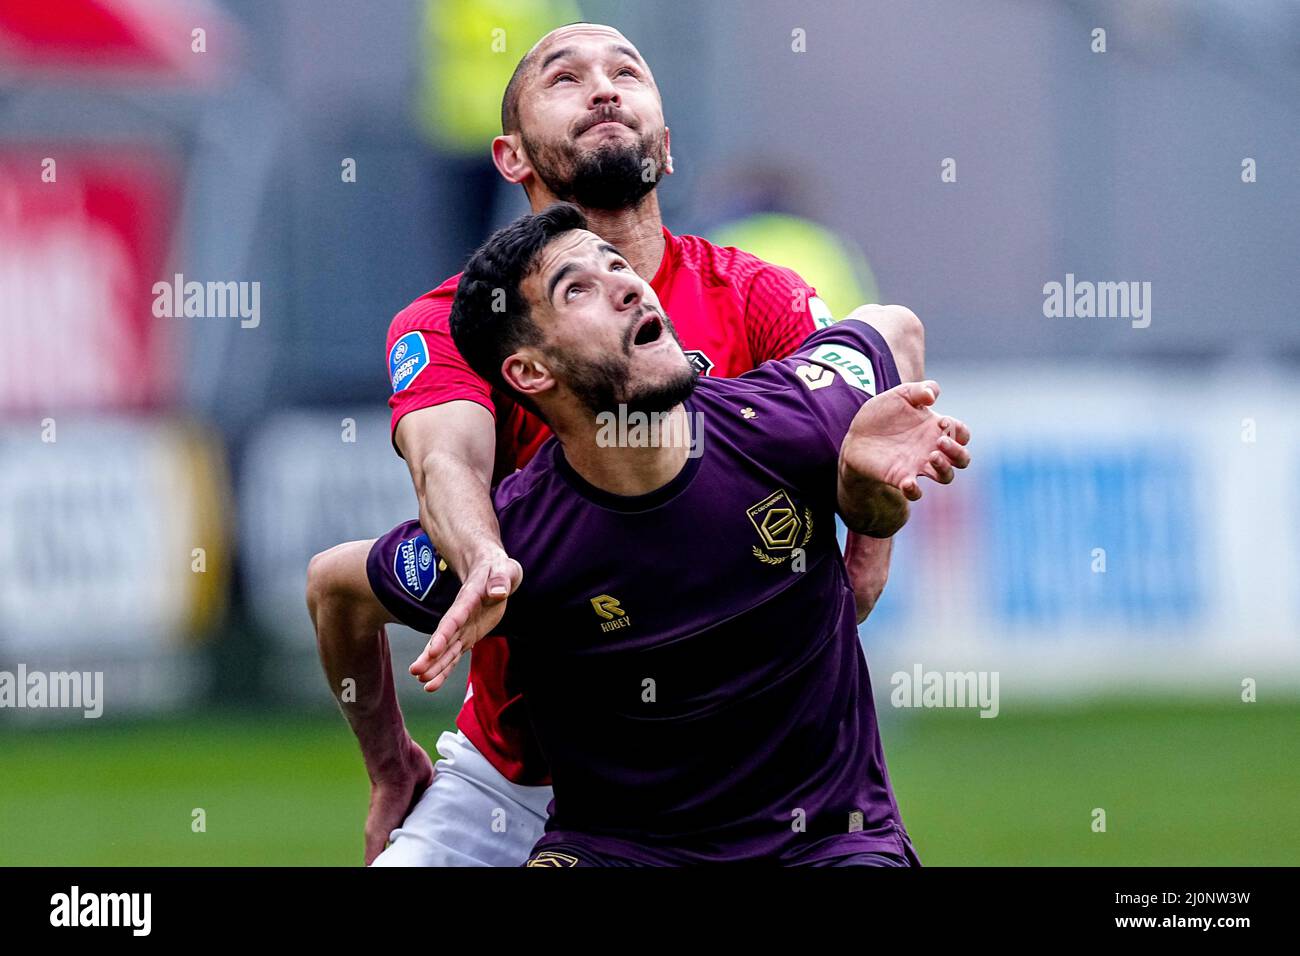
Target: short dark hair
point(490, 318)
point(510, 99)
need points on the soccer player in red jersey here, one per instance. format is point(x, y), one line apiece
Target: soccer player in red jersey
point(582, 121)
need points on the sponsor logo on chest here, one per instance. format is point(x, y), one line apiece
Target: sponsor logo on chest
point(612, 616)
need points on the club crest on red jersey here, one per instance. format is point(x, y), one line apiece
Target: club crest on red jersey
point(699, 361)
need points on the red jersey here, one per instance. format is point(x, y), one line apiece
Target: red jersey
point(732, 312)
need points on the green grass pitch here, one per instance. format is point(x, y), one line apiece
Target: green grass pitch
point(1181, 784)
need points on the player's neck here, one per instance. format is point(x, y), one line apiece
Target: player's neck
point(630, 455)
point(636, 231)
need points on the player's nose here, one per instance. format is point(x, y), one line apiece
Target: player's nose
point(626, 290)
point(603, 92)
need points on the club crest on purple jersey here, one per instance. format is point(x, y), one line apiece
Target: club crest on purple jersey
point(782, 526)
point(552, 858)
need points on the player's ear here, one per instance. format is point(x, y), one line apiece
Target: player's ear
point(510, 159)
point(527, 373)
point(668, 151)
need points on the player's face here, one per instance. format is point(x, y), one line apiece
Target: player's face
point(605, 336)
point(591, 120)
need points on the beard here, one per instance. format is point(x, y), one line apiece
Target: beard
point(612, 176)
point(604, 384)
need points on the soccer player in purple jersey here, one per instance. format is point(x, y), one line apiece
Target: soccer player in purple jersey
point(691, 711)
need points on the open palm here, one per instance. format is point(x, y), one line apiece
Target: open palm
point(477, 610)
point(896, 438)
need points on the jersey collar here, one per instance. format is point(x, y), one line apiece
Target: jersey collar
point(630, 503)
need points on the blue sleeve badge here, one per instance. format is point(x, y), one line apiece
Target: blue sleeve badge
point(416, 566)
point(407, 360)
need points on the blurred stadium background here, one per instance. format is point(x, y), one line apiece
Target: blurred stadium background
point(1125, 554)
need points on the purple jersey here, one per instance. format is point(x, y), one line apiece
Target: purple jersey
point(690, 657)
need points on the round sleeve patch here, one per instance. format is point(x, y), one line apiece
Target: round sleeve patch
point(407, 359)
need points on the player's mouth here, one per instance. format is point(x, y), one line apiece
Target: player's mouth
point(606, 118)
point(606, 127)
point(648, 331)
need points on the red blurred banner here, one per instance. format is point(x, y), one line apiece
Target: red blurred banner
point(78, 259)
point(130, 41)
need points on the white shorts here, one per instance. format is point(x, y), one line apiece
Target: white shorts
point(470, 816)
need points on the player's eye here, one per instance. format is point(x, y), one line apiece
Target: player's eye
point(564, 76)
point(627, 70)
point(617, 266)
point(571, 290)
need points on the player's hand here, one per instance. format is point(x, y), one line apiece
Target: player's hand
point(393, 795)
point(477, 610)
point(896, 439)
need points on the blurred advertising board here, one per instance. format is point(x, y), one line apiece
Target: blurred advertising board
point(311, 480)
point(112, 535)
point(84, 235)
point(1119, 529)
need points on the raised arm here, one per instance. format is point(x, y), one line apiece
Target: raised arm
point(781, 312)
point(893, 441)
point(867, 558)
point(449, 449)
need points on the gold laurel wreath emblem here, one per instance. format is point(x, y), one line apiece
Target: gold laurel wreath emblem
point(807, 536)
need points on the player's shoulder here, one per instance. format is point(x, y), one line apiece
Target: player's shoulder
point(419, 332)
point(851, 348)
point(429, 312)
point(728, 265)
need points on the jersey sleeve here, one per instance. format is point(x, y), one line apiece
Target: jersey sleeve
point(412, 581)
point(781, 311)
point(424, 366)
point(409, 578)
point(831, 375)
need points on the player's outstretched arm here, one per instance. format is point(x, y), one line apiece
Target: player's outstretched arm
point(867, 558)
point(867, 561)
point(893, 441)
point(473, 616)
point(450, 449)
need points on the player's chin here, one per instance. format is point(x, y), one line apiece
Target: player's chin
point(660, 364)
point(668, 387)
